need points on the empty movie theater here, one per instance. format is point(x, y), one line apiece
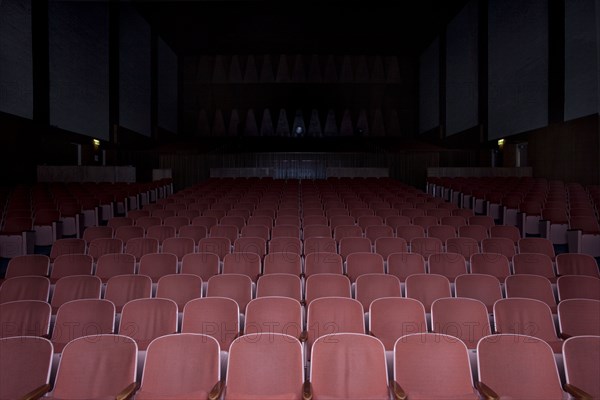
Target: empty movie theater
point(299, 200)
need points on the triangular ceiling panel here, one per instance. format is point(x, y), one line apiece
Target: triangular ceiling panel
point(235, 72)
point(314, 71)
point(330, 125)
point(234, 123)
point(346, 125)
point(283, 128)
point(266, 72)
point(283, 70)
point(251, 72)
point(377, 126)
point(314, 126)
point(251, 128)
point(218, 124)
point(266, 126)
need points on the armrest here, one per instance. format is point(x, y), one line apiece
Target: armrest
point(564, 336)
point(577, 393)
point(307, 391)
point(37, 392)
point(486, 392)
point(397, 392)
point(303, 337)
point(127, 392)
point(216, 391)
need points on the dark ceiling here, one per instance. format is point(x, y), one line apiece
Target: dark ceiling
point(306, 27)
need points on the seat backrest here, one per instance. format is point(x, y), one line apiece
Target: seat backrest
point(427, 288)
point(388, 245)
point(578, 287)
point(463, 318)
point(285, 244)
point(370, 287)
point(204, 265)
point(30, 264)
point(465, 246)
point(286, 285)
point(537, 245)
point(442, 232)
point(248, 264)
point(449, 265)
point(180, 288)
point(578, 317)
point(404, 264)
point(144, 320)
point(233, 286)
point(157, 265)
point(327, 285)
point(139, 247)
point(195, 232)
point(147, 222)
point(231, 232)
point(94, 232)
point(321, 262)
point(410, 232)
point(217, 317)
point(519, 367)
point(277, 367)
point(500, 245)
point(494, 264)
point(361, 263)
point(346, 231)
point(333, 315)
point(426, 246)
point(67, 246)
point(454, 220)
point(525, 317)
point(287, 263)
point(581, 357)
point(161, 232)
point(250, 244)
point(101, 246)
point(82, 317)
point(482, 287)
point(274, 314)
point(129, 232)
point(317, 231)
point(393, 317)
point(74, 288)
point(530, 287)
point(24, 366)
point(24, 318)
point(506, 231)
point(185, 365)
point(349, 245)
point(121, 289)
point(110, 265)
point(98, 368)
point(534, 264)
point(421, 357)
point(179, 246)
point(176, 222)
point(317, 244)
point(352, 366)
point(576, 264)
point(483, 220)
point(116, 222)
point(71, 264)
point(28, 287)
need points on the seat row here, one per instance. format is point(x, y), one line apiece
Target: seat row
point(24, 310)
point(343, 366)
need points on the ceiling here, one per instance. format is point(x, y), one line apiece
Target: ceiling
point(303, 27)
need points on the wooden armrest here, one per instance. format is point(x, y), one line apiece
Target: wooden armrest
point(127, 392)
point(307, 391)
point(487, 392)
point(216, 391)
point(577, 393)
point(37, 392)
point(397, 392)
